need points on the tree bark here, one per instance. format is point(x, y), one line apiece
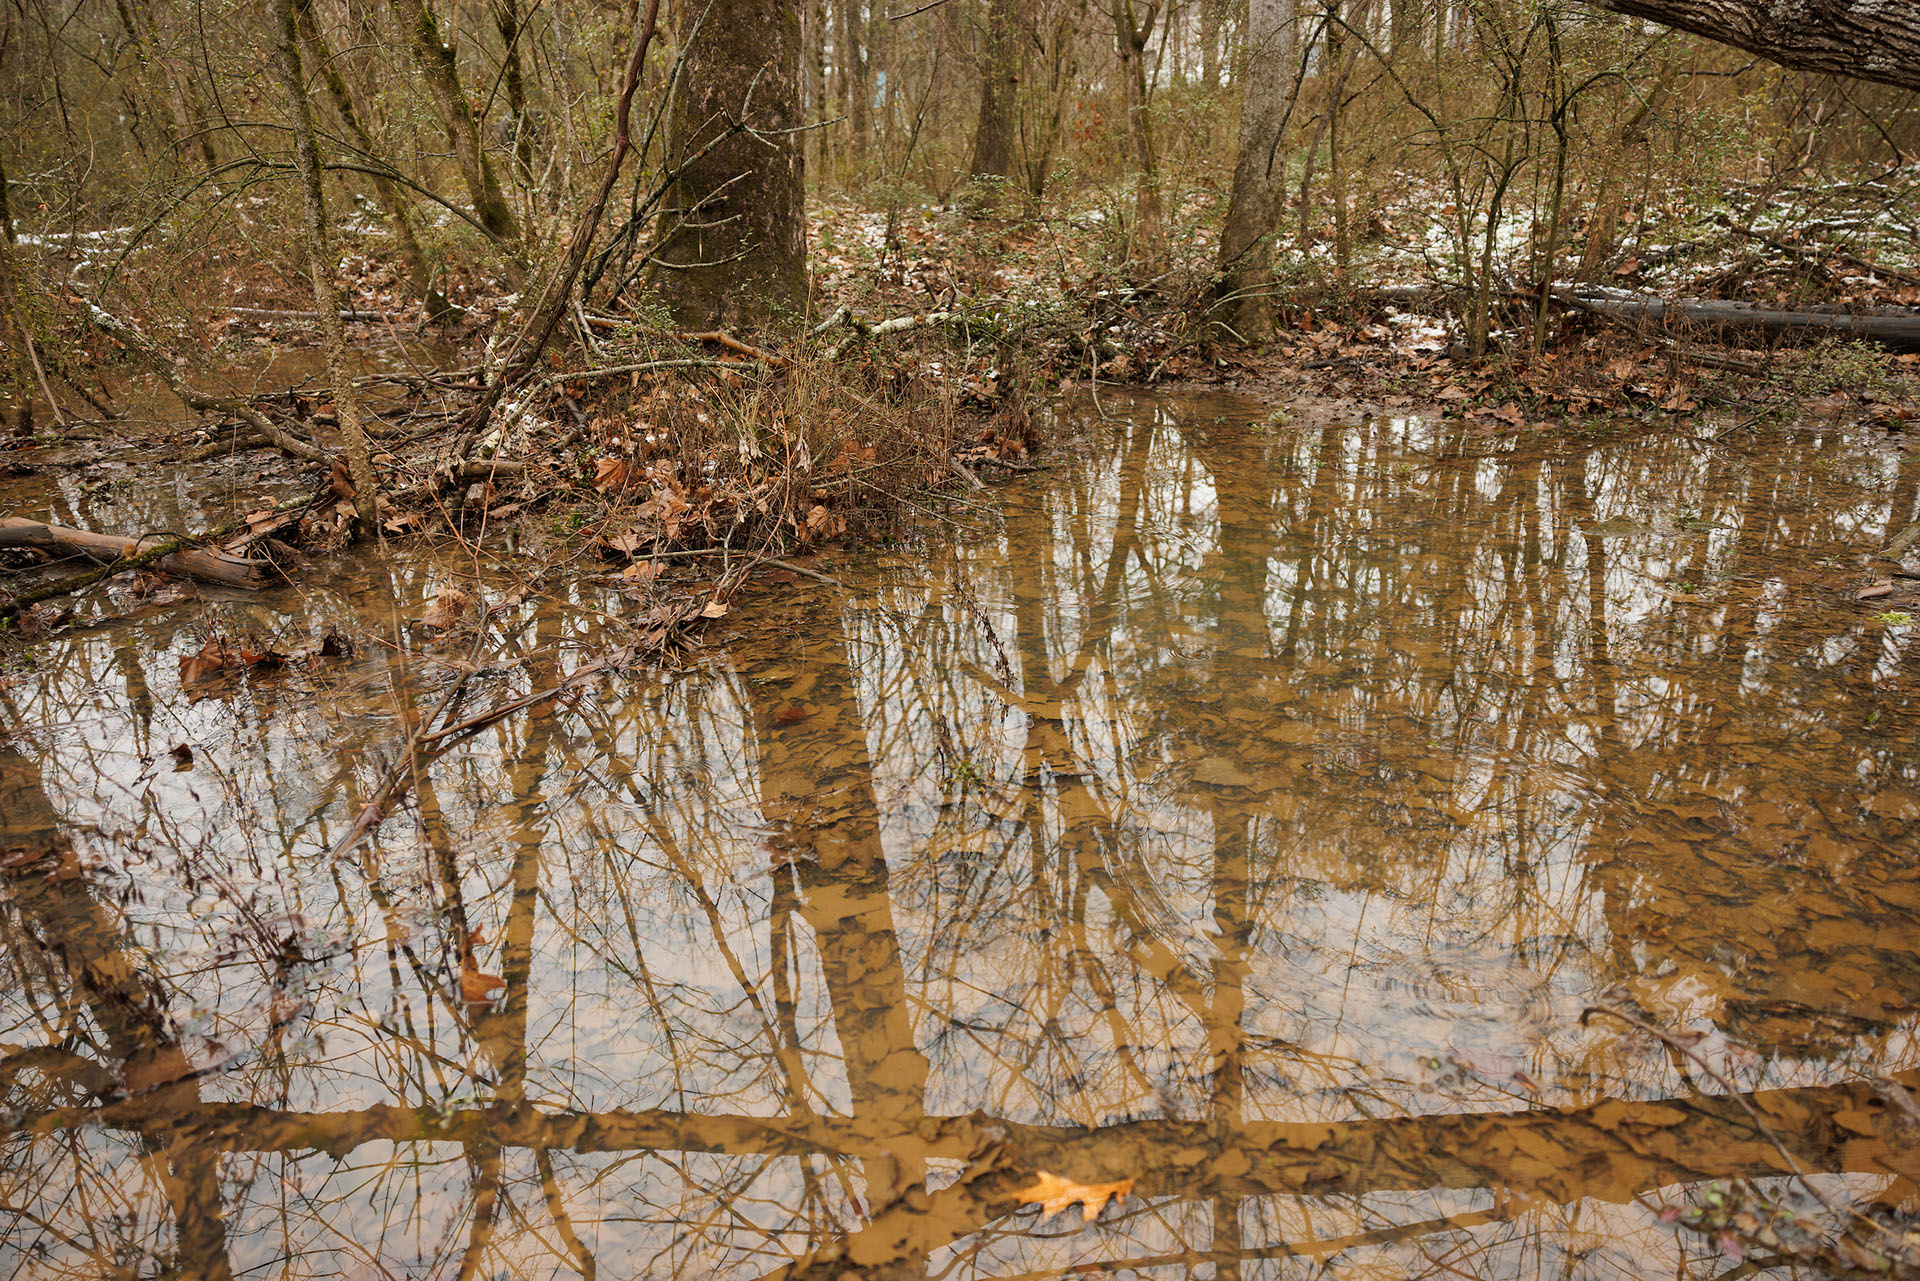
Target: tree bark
point(507, 21)
point(857, 72)
point(319, 254)
point(1869, 39)
point(738, 254)
point(16, 329)
point(999, 77)
point(1210, 32)
point(1131, 34)
point(1244, 306)
point(819, 97)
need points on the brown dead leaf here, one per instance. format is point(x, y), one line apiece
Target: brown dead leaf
point(262, 657)
point(642, 571)
point(182, 757)
point(611, 474)
point(1055, 1194)
point(823, 522)
point(206, 666)
point(714, 609)
point(1882, 588)
point(445, 610)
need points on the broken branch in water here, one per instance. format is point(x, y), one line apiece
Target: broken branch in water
point(162, 366)
point(176, 554)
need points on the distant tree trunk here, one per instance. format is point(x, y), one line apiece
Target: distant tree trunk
point(393, 204)
point(506, 20)
point(1244, 306)
point(1402, 19)
point(858, 73)
point(16, 332)
point(819, 97)
point(313, 226)
point(738, 253)
point(1870, 39)
point(440, 69)
point(1131, 33)
point(999, 78)
point(1063, 66)
point(1210, 42)
point(1336, 159)
point(176, 92)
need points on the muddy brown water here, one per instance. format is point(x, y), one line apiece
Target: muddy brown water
point(1246, 809)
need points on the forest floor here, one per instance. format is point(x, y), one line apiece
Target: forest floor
point(936, 334)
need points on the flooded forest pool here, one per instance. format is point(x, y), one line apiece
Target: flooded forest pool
point(1248, 810)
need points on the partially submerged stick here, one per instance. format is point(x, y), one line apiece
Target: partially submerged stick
point(176, 554)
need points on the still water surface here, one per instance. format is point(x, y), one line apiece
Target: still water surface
point(1245, 809)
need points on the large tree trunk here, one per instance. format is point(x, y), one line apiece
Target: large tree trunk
point(1244, 306)
point(1870, 39)
point(739, 252)
point(313, 208)
point(999, 76)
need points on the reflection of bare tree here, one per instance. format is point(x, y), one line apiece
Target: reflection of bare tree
point(1179, 830)
point(96, 991)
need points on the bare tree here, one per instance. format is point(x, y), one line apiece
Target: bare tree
point(1243, 306)
point(999, 81)
point(736, 245)
point(440, 72)
point(393, 204)
point(1132, 29)
point(319, 255)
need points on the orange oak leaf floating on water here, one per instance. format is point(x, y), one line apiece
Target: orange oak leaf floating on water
point(476, 988)
point(1055, 1194)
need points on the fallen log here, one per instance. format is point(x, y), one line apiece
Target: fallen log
point(1895, 327)
point(204, 564)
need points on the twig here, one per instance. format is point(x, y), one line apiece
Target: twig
point(828, 579)
point(731, 343)
point(897, 325)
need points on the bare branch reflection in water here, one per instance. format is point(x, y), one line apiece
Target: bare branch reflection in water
point(1250, 811)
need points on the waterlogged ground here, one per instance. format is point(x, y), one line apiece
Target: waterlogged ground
point(1250, 811)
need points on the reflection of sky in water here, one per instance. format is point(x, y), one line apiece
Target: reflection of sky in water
point(1366, 756)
